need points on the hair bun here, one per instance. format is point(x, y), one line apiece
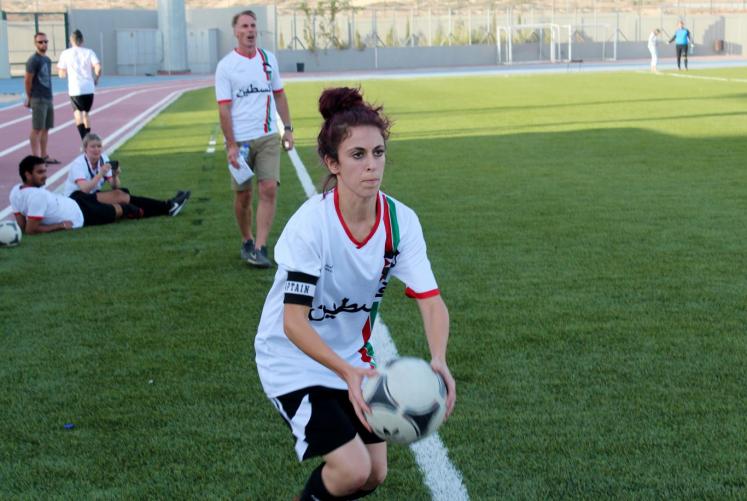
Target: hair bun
point(339, 99)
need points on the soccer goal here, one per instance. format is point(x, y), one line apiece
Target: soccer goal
point(552, 43)
point(593, 42)
point(530, 43)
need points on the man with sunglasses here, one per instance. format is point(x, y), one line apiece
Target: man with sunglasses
point(38, 85)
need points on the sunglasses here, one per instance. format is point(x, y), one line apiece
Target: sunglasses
point(42, 41)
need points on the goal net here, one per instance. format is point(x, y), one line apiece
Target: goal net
point(552, 43)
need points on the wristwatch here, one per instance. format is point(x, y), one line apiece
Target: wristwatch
point(288, 128)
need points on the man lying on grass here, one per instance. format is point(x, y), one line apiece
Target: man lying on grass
point(38, 210)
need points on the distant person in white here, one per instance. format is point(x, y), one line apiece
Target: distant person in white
point(82, 69)
point(653, 48)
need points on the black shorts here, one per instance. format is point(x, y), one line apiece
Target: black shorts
point(321, 420)
point(82, 102)
point(94, 212)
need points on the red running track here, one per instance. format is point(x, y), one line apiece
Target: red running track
point(117, 114)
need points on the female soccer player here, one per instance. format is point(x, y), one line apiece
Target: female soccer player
point(334, 258)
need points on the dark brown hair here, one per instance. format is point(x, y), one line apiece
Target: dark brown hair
point(27, 166)
point(77, 37)
point(343, 108)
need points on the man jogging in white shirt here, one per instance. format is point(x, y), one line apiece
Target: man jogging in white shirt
point(249, 91)
point(82, 69)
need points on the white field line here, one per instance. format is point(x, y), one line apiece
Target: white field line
point(126, 131)
point(702, 77)
point(211, 144)
point(439, 474)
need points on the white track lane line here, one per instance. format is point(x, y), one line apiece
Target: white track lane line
point(69, 122)
point(104, 90)
point(126, 131)
point(441, 477)
point(28, 115)
point(55, 130)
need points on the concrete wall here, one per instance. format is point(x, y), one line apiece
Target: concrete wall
point(173, 26)
point(735, 34)
point(202, 19)
point(99, 30)
point(387, 58)
point(100, 26)
point(4, 62)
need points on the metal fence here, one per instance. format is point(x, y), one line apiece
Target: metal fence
point(21, 29)
point(359, 29)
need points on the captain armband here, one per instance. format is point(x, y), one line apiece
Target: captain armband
point(299, 288)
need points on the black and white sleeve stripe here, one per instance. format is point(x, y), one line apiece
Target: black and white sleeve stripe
point(299, 288)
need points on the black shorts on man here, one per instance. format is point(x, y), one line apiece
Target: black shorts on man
point(321, 420)
point(83, 102)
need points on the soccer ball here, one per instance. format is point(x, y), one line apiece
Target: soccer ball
point(407, 400)
point(10, 234)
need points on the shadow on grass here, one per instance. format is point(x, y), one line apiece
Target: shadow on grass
point(572, 105)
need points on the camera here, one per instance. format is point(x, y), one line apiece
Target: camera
point(115, 165)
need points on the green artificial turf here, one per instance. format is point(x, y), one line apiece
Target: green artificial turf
point(587, 233)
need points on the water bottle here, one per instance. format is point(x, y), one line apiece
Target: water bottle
point(244, 151)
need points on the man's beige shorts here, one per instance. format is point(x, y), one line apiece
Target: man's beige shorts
point(264, 159)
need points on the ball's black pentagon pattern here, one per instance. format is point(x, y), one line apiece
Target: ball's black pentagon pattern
point(422, 421)
point(381, 396)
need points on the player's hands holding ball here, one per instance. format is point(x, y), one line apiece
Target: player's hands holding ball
point(440, 367)
point(354, 376)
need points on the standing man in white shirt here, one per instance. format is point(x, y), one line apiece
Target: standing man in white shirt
point(82, 69)
point(249, 90)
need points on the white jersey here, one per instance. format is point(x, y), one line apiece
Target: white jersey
point(78, 62)
point(82, 170)
point(350, 278)
point(249, 84)
point(44, 206)
point(653, 42)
